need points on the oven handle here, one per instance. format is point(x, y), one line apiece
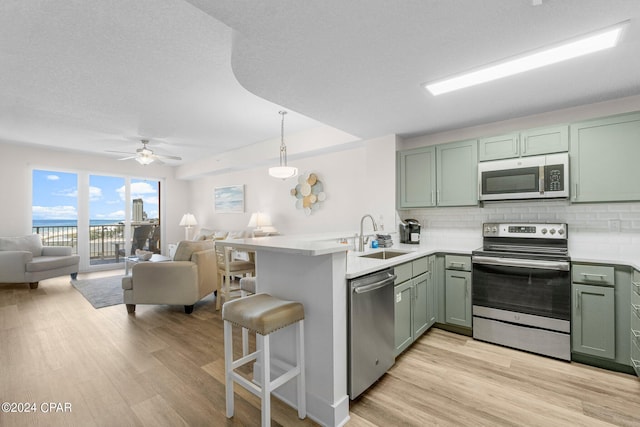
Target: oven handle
point(525, 263)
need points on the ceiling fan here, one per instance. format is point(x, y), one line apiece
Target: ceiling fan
point(145, 155)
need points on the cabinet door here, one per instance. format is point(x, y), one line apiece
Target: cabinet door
point(544, 141)
point(458, 298)
point(604, 159)
point(416, 178)
point(420, 307)
point(457, 173)
point(432, 302)
point(499, 147)
point(403, 316)
point(593, 320)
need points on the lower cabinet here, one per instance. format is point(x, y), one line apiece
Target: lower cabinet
point(593, 320)
point(457, 290)
point(414, 302)
point(635, 322)
point(458, 298)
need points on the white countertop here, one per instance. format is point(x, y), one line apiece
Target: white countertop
point(287, 244)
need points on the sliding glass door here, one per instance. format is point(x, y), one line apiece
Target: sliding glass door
point(104, 218)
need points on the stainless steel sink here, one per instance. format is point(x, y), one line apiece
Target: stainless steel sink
point(384, 254)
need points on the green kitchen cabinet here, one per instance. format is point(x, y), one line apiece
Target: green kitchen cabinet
point(635, 322)
point(530, 142)
point(457, 173)
point(593, 320)
point(403, 316)
point(604, 157)
point(416, 177)
point(458, 298)
point(414, 301)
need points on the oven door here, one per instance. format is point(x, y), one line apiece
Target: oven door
point(536, 287)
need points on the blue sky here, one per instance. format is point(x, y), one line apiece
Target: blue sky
point(55, 196)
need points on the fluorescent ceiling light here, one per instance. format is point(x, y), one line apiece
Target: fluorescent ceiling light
point(574, 48)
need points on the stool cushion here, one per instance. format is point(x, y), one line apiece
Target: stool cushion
point(262, 313)
point(248, 284)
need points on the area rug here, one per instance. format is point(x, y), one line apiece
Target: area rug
point(101, 292)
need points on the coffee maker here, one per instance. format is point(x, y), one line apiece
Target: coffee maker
point(410, 231)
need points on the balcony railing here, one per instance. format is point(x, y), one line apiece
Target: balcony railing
point(106, 242)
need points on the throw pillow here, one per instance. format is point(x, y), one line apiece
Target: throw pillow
point(31, 243)
point(186, 248)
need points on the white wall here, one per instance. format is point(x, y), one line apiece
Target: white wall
point(357, 181)
point(584, 217)
point(17, 161)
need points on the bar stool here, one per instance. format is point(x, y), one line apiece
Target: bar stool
point(263, 314)
point(247, 287)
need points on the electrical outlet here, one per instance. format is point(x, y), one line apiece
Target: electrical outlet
point(614, 225)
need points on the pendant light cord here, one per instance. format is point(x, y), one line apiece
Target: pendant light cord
point(283, 148)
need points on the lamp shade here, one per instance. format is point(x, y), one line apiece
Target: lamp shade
point(283, 172)
point(188, 220)
point(259, 220)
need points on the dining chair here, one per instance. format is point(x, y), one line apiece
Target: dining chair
point(228, 268)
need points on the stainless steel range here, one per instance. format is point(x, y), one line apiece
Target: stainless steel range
point(522, 288)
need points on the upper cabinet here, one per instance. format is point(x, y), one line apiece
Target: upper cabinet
point(604, 159)
point(457, 173)
point(417, 177)
point(442, 175)
point(526, 143)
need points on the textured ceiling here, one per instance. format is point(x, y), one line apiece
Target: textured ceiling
point(95, 76)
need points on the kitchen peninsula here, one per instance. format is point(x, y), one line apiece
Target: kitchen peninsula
point(313, 273)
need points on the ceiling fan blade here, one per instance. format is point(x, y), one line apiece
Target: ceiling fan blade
point(119, 152)
point(128, 158)
point(163, 156)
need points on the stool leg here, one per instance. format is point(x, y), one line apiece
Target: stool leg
point(301, 383)
point(266, 380)
point(245, 333)
point(228, 361)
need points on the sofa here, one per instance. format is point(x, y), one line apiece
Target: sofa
point(189, 277)
point(25, 259)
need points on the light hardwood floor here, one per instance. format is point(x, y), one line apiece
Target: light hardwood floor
point(164, 368)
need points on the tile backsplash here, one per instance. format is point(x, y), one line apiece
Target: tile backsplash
point(611, 217)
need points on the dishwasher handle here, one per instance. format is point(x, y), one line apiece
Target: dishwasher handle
point(377, 285)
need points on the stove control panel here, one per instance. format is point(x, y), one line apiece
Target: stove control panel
point(538, 231)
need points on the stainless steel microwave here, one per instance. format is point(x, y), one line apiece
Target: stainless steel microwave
point(534, 177)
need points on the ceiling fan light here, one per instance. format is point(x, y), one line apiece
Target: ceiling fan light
point(283, 172)
point(144, 160)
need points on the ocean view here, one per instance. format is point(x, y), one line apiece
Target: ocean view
point(71, 222)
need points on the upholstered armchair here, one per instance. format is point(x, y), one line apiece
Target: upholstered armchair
point(25, 260)
point(189, 277)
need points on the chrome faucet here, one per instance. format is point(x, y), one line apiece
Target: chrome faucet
point(361, 238)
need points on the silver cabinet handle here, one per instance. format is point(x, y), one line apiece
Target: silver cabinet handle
point(433, 202)
point(524, 144)
point(575, 193)
point(437, 196)
point(577, 300)
point(587, 275)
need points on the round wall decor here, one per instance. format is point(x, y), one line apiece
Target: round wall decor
point(309, 192)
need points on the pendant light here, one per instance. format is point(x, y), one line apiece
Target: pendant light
point(283, 171)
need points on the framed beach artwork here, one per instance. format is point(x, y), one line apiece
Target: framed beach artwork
point(228, 199)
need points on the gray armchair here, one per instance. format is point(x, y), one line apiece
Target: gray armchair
point(187, 279)
point(25, 260)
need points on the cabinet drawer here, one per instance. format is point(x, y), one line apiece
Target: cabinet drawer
point(593, 274)
point(420, 266)
point(457, 262)
point(403, 272)
point(635, 285)
point(635, 358)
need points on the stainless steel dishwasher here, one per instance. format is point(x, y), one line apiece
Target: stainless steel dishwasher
point(371, 329)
